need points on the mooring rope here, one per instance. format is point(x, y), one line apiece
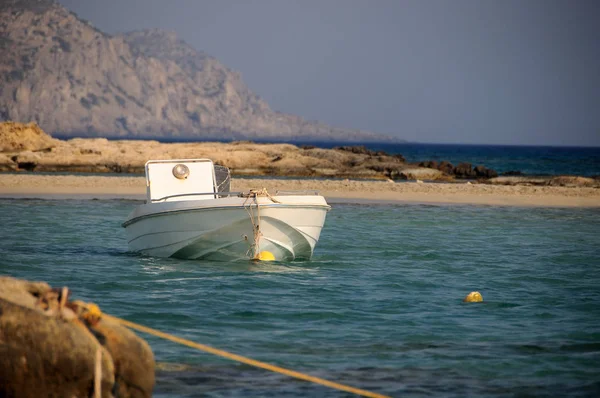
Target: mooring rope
point(98, 373)
point(255, 246)
point(255, 194)
point(91, 316)
point(242, 359)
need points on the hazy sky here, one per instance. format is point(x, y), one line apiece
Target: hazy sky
point(498, 72)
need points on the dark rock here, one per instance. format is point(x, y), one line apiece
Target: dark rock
point(394, 174)
point(358, 149)
point(399, 157)
point(479, 170)
point(430, 164)
point(29, 166)
point(483, 172)
point(464, 170)
point(512, 173)
point(380, 168)
point(446, 167)
point(362, 150)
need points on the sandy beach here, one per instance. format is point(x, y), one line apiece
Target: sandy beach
point(336, 191)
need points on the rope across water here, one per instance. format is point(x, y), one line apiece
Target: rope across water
point(91, 313)
point(246, 360)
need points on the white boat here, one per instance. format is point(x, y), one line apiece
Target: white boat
point(189, 213)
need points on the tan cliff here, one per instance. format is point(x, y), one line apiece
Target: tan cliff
point(74, 80)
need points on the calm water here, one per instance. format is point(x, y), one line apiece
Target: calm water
point(379, 307)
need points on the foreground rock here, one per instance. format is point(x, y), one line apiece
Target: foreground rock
point(49, 346)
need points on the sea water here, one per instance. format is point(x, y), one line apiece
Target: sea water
point(379, 306)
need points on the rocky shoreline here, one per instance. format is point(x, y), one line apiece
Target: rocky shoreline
point(26, 147)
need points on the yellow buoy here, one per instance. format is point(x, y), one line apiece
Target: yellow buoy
point(473, 297)
point(265, 256)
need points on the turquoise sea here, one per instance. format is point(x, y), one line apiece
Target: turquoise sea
point(379, 306)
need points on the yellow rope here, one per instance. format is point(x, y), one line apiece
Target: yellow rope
point(248, 361)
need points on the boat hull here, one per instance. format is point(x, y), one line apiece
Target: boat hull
point(225, 228)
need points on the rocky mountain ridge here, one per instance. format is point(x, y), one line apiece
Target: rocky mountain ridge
point(73, 79)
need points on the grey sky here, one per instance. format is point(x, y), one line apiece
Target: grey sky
point(498, 72)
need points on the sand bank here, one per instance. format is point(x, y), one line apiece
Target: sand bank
point(336, 191)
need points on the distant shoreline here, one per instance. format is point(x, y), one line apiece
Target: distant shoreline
point(26, 147)
point(336, 191)
point(322, 143)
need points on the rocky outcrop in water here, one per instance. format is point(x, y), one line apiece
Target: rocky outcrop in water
point(39, 152)
point(99, 155)
point(49, 347)
point(462, 170)
point(71, 78)
point(25, 147)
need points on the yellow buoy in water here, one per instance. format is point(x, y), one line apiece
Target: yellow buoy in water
point(473, 297)
point(265, 256)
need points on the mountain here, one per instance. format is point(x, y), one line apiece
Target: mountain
point(72, 79)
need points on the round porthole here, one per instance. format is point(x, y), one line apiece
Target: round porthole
point(181, 171)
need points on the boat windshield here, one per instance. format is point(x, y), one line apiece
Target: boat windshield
point(223, 178)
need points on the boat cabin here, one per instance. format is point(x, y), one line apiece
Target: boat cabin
point(180, 179)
